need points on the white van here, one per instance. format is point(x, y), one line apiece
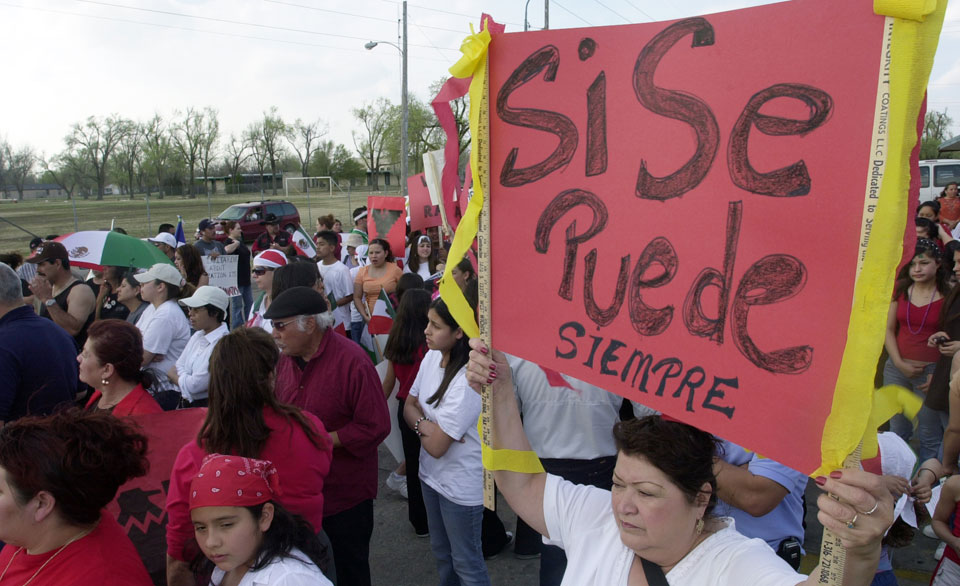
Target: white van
point(942, 172)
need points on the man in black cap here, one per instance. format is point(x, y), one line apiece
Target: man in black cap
point(266, 240)
point(206, 244)
point(69, 302)
point(333, 378)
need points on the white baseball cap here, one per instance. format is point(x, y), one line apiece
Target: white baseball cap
point(162, 272)
point(164, 238)
point(207, 295)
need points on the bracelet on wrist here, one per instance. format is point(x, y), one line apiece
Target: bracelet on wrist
point(416, 426)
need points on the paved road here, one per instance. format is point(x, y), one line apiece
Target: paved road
point(399, 558)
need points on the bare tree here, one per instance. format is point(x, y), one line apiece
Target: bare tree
point(157, 151)
point(257, 151)
point(5, 156)
point(186, 136)
point(375, 118)
point(129, 157)
point(272, 129)
point(305, 139)
point(97, 139)
point(237, 152)
point(209, 144)
point(68, 170)
point(20, 163)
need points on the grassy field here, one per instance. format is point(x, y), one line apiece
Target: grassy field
point(43, 217)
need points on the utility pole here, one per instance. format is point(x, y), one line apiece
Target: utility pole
point(546, 15)
point(404, 146)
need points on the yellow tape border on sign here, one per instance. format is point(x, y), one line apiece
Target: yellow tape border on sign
point(916, 31)
point(474, 63)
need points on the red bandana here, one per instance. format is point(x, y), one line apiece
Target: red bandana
point(232, 481)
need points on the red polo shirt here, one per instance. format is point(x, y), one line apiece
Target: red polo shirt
point(340, 386)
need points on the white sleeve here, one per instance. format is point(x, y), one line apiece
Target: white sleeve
point(158, 335)
point(568, 509)
point(754, 563)
point(193, 383)
point(460, 408)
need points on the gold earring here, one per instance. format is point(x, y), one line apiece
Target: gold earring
point(699, 527)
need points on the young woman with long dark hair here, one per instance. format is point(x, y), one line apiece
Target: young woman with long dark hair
point(444, 413)
point(245, 418)
point(406, 346)
point(423, 259)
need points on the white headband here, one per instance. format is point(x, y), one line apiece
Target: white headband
point(362, 215)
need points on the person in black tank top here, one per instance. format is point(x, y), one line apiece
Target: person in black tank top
point(70, 303)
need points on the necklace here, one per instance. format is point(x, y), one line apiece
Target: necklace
point(925, 311)
point(80, 535)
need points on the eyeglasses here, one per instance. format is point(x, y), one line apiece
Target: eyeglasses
point(260, 271)
point(282, 325)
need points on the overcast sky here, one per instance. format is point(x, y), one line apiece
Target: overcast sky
point(69, 59)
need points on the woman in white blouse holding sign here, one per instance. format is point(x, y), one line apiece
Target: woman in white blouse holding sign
point(655, 526)
point(443, 411)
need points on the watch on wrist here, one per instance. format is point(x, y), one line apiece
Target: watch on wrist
point(50, 302)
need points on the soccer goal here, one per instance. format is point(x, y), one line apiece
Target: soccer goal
point(301, 186)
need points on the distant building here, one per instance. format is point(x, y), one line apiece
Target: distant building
point(35, 191)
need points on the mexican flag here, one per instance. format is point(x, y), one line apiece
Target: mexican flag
point(303, 241)
point(338, 325)
point(381, 318)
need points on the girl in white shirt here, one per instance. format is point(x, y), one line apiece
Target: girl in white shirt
point(444, 413)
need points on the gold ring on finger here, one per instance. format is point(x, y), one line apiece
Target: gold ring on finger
point(853, 521)
point(871, 511)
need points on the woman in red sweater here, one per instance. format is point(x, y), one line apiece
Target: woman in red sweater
point(246, 419)
point(110, 364)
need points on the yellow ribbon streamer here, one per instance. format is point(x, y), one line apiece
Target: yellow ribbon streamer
point(474, 63)
point(887, 402)
point(914, 43)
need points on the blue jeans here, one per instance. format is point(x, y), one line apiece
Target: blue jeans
point(356, 330)
point(246, 293)
point(455, 540)
point(930, 430)
point(899, 424)
point(236, 312)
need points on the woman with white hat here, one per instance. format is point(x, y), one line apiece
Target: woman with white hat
point(207, 311)
point(164, 326)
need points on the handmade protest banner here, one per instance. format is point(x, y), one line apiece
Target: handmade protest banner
point(387, 219)
point(694, 208)
point(140, 505)
point(423, 213)
point(222, 272)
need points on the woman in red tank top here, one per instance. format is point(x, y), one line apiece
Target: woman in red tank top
point(913, 317)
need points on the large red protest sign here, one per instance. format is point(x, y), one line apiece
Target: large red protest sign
point(387, 219)
point(687, 204)
point(140, 505)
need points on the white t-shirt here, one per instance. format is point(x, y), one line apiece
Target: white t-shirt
point(336, 280)
point(282, 571)
point(458, 474)
point(580, 520)
point(165, 331)
point(354, 312)
point(193, 366)
point(565, 417)
point(423, 270)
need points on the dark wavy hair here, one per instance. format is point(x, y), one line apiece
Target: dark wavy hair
point(241, 387)
point(929, 248)
point(929, 225)
point(192, 264)
point(287, 531)
point(682, 452)
point(407, 332)
point(80, 457)
point(384, 245)
point(459, 354)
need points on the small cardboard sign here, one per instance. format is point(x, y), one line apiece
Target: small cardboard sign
point(222, 272)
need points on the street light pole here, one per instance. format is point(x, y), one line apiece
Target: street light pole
point(405, 111)
point(404, 108)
